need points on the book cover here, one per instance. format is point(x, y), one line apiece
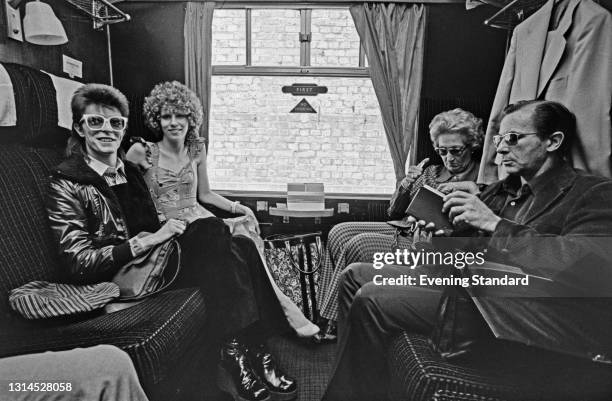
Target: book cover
point(427, 205)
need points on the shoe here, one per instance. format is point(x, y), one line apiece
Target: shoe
point(303, 327)
point(280, 386)
point(308, 330)
point(235, 375)
point(328, 334)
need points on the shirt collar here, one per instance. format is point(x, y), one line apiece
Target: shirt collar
point(555, 177)
point(100, 167)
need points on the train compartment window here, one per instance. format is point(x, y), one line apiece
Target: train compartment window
point(335, 42)
point(256, 143)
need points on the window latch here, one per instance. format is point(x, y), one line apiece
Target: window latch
point(305, 37)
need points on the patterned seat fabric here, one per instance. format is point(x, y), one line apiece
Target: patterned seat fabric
point(153, 333)
point(508, 372)
point(160, 334)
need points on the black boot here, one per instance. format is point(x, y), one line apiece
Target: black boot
point(236, 375)
point(280, 386)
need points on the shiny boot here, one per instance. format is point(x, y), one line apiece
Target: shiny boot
point(280, 386)
point(236, 376)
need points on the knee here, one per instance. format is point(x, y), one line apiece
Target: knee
point(210, 223)
point(211, 228)
point(338, 228)
point(111, 360)
point(359, 272)
point(356, 247)
point(366, 302)
point(340, 233)
point(353, 277)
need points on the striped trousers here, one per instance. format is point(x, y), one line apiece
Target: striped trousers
point(347, 243)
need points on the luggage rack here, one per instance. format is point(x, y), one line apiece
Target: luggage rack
point(512, 13)
point(102, 12)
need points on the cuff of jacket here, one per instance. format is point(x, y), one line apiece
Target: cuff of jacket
point(122, 253)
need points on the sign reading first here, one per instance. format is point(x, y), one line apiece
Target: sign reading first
point(304, 89)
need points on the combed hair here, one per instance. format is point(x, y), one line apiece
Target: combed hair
point(458, 121)
point(548, 117)
point(88, 94)
point(101, 94)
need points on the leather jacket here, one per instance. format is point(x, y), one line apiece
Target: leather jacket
point(87, 220)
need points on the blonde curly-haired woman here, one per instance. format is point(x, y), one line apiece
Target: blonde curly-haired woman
point(243, 301)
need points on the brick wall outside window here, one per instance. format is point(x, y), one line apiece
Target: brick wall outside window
point(256, 144)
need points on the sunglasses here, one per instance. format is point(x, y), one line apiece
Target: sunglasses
point(452, 151)
point(97, 122)
point(511, 137)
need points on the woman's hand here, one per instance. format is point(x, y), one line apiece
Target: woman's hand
point(171, 228)
point(466, 186)
point(413, 172)
point(251, 216)
point(428, 229)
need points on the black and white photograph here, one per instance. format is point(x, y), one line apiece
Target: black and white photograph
point(318, 200)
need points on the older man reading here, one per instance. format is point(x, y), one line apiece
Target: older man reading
point(545, 218)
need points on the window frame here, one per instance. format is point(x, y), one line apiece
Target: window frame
point(360, 71)
point(305, 36)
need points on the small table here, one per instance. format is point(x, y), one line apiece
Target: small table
point(305, 264)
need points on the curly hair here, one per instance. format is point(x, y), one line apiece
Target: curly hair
point(458, 121)
point(173, 97)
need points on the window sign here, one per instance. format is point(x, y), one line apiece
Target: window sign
point(303, 107)
point(304, 89)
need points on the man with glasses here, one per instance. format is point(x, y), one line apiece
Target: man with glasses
point(545, 218)
point(97, 203)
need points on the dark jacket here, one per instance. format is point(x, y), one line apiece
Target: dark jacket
point(566, 237)
point(88, 222)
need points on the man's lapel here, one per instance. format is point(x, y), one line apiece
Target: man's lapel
point(531, 36)
point(76, 169)
point(556, 48)
point(550, 193)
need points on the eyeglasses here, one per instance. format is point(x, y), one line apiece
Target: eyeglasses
point(97, 122)
point(453, 151)
point(510, 137)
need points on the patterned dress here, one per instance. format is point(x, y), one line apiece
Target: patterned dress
point(227, 268)
point(175, 193)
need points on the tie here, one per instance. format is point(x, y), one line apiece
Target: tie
point(111, 175)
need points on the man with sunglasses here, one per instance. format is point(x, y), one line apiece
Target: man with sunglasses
point(97, 203)
point(545, 218)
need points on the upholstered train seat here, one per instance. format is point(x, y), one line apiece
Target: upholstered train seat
point(164, 335)
point(510, 372)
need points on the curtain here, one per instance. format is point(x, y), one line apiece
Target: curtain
point(198, 54)
point(393, 37)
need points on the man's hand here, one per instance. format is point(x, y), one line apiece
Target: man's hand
point(171, 228)
point(468, 209)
